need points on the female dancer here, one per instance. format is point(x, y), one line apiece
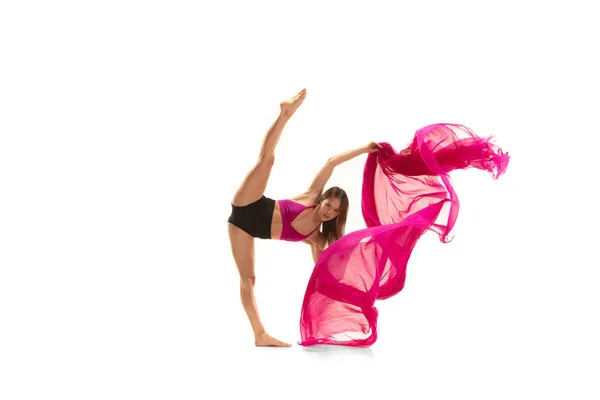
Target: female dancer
point(297, 219)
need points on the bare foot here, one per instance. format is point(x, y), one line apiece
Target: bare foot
point(267, 340)
point(288, 107)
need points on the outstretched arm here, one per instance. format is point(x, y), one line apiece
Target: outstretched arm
point(326, 171)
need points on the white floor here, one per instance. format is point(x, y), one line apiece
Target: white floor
point(126, 127)
point(148, 330)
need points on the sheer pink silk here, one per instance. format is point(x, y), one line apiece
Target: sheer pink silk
point(404, 194)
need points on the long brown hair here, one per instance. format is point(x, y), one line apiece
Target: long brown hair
point(335, 229)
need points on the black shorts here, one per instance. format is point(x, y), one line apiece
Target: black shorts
point(254, 218)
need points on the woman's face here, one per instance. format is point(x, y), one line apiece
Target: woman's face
point(329, 208)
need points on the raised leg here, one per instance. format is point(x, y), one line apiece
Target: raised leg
point(255, 183)
point(242, 247)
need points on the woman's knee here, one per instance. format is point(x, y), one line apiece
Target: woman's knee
point(247, 281)
point(266, 160)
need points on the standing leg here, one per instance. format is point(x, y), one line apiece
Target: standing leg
point(242, 244)
point(242, 247)
point(255, 183)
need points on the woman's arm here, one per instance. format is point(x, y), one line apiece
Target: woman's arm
point(318, 183)
point(316, 241)
point(316, 253)
point(315, 249)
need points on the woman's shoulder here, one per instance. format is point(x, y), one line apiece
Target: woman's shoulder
point(306, 198)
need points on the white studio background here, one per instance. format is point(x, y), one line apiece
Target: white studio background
point(126, 126)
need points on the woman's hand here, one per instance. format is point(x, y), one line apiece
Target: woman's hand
point(372, 146)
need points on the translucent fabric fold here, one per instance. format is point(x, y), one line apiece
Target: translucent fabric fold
point(404, 194)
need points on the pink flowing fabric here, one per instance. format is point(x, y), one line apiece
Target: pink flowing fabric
point(404, 195)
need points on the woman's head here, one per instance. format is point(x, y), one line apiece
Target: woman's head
point(332, 207)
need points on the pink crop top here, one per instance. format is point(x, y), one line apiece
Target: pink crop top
point(289, 211)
